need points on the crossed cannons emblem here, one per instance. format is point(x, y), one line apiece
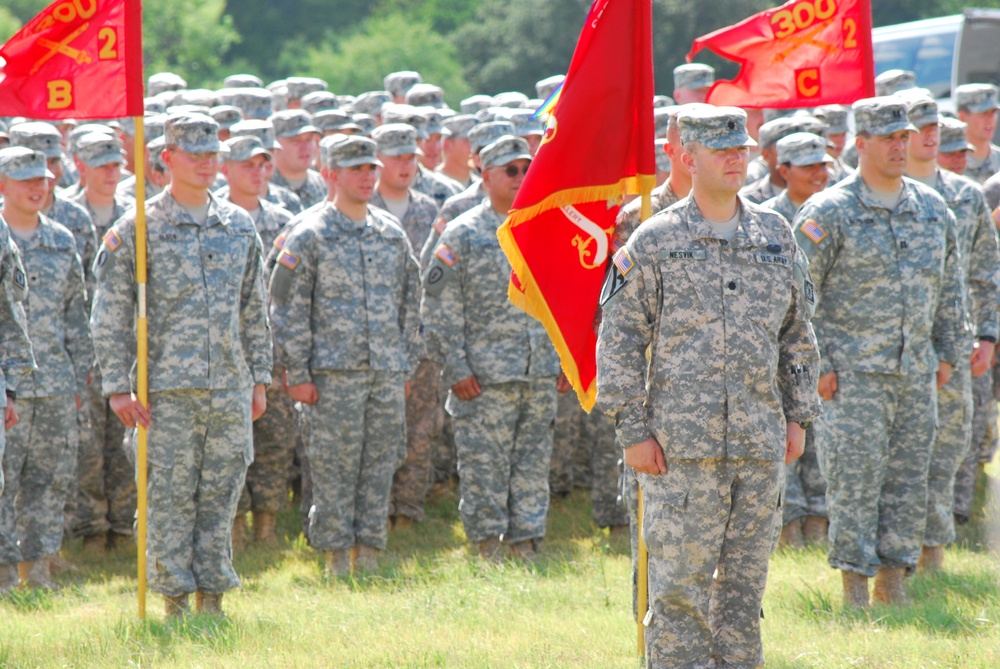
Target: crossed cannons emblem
point(64, 47)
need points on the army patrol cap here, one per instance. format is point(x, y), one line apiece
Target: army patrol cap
point(366, 122)
point(663, 101)
point(661, 119)
point(770, 132)
point(459, 126)
point(546, 86)
point(920, 109)
point(348, 151)
point(81, 130)
point(395, 139)
point(188, 109)
point(505, 150)
point(715, 127)
point(292, 123)
point(21, 163)
point(953, 136)
point(253, 102)
point(37, 136)
point(155, 148)
point(318, 101)
point(371, 102)
point(164, 81)
point(154, 105)
point(511, 99)
point(433, 120)
point(298, 87)
point(425, 95)
point(880, 116)
point(662, 159)
point(893, 81)
point(258, 128)
point(245, 147)
point(242, 81)
point(693, 75)
point(834, 116)
point(193, 133)
point(406, 114)
point(525, 122)
point(397, 83)
point(196, 96)
point(484, 134)
point(976, 98)
point(345, 101)
point(154, 127)
point(226, 116)
point(334, 120)
point(97, 149)
point(803, 148)
point(475, 103)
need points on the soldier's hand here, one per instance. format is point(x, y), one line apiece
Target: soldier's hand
point(827, 386)
point(9, 415)
point(646, 457)
point(129, 410)
point(943, 373)
point(258, 402)
point(304, 392)
point(467, 388)
point(562, 383)
point(982, 357)
point(795, 442)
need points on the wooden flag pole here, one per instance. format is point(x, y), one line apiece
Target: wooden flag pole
point(642, 556)
point(142, 352)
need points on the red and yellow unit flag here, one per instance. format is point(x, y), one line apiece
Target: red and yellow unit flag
point(598, 145)
point(76, 59)
point(802, 54)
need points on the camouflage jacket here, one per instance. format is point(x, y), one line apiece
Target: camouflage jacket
point(276, 195)
point(781, 204)
point(313, 191)
point(127, 188)
point(419, 218)
point(630, 215)
point(760, 190)
point(76, 218)
point(437, 186)
point(16, 358)
point(453, 207)
point(989, 167)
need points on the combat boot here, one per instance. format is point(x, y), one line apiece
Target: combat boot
point(931, 559)
point(523, 550)
point(96, 544)
point(240, 531)
point(176, 607)
point(35, 575)
point(9, 578)
point(263, 528)
point(855, 590)
point(489, 550)
point(206, 603)
point(814, 529)
point(402, 522)
point(338, 564)
point(119, 541)
point(889, 588)
point(791, 535)
point(366, 559)
point(616, 532)
point(60, 565)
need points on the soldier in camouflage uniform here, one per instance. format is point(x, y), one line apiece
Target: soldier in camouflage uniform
point(209, 362)
point(348, 268)
point(953, 153)
point(263, 130)
point(456, 149)
point(977, 107)
point(275, 434)
point(40, 456)
point(153, 130)
point(771, 184)
point(708, 422)
point(298, 141)
point(398, 83)
point(835, 118)
point(882, 251)
point(499, 365)
point(692, 82)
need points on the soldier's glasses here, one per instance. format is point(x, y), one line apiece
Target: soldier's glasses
point(513, 170)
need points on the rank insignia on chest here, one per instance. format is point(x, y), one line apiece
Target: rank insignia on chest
point(446, 256)
point(112, 240)
point(439, 225)
point(812, 230)
point(623, 261)
point(289, 260)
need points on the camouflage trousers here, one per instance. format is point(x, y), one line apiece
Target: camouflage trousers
point(564, 468)
point(275, 435)
point(705, 517)
point(38, 466)
point(608, 508)
point(983, 442)
point(874, 442)
point(805, 487)
point(424, 414)
point(199, 445)
point(105, 498)
point(504, 442)
point(444, 457)
point(951, 445)
point(356, 440)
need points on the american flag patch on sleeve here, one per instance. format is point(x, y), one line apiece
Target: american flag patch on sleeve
point(112, 240)
point(289, 260)
point(279, 242)
point(623, 261)
point(446, 256)
point(812, 230)
point(440, 225)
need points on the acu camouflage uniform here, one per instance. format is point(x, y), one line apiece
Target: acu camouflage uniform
point(313, 191)
point(437, 186)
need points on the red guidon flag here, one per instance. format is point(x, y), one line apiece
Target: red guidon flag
point(598, 145)
point(77, 59)
point(802, 54)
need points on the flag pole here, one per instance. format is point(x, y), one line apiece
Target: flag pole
point(642, 585)
point(141, 350)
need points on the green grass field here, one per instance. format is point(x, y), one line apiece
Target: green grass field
point(435, 605)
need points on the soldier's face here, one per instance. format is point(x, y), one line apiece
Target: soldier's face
point(456, 149)
point(502, 182)
point(355, 184)
point(431, 148)
point(954, 161)
point(924, 144)
point(805, 180)
point(192, 170)
point(24, 197)
point(981, 125)
point(56, 167)
point(718, 172)
point(839, 139)
point(398, 171)
point(103, 179)
point(297, 153)
point(247, 176)
point(886, 154)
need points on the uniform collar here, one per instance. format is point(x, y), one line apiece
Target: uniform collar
point(748, 233)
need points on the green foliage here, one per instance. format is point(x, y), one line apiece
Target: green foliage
point(9, 24)
point(187, 37)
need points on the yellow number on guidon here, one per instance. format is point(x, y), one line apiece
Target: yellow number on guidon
point(109, 39)
point(801, 16)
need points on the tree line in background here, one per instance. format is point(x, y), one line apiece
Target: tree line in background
point(464, 46)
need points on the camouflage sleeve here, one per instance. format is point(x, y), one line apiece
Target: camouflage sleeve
point(78, 342)
point(442, 308)
point(113, 314)
point(433, 237)
point(627, 222)
point(949, 318)
point(631, 307)
point(984, 273)
point(17, 358)
point(817, 236)
point(291, 290)
point(255, 329)
point(798, 355)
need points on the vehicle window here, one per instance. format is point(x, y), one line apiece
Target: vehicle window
point(928, 56)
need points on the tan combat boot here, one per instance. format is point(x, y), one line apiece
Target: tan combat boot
point(35, 575)
point(489, 550)
point(338, 564)
point(791, 535)
point(855, 590)
point(60, 565)
point(9, 578)
point(176, 607)
point(889, 586)
point(931, 559)
point(263, 528)
point(206, 603)
point(524, 550)
point(402, 522)
point(240, 531)
point(814, 529)
point(366, 559)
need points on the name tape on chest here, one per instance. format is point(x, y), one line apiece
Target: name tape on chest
point(446, 256)
point(288, 259)
point(687, 254)
point(772, 259)
point(112, 240)
point(812, 230)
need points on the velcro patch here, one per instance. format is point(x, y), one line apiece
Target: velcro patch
point(440, 225)
point(446, 256)
point(614, 281)
point(772, 259)
point(810, 293)
point(693, 254)
point(812, 230)
point(279, 242)
point(112, 240)
point(19, 279)
point(289, 260)
point(623, 261)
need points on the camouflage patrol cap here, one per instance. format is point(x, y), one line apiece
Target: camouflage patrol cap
point(154, 105)
point(245, 147)
point(433, 120)
point(258, 128)
point(395, 139)
point(663, 101)
point(803, 148)
point(226, 116)
point(334, 120)
point(292, 123)
point(511, 99)
point(880, 116)
point(772, 114)
point(166, 98)
point(153, 126)
point(397, 83)
point(546, 86)
point(21, 164)
point(976, 98)
point(37, 136)
point(345, 101)
point(459, 126)
point(164, 81)
point(533, 104)
point(693, 75)
point(475, 103)
point(193, 133)
point(920, 109)
point(276, 84)
point(504, 150)
point(96, 149)
point(484, 134)
point(769, 133)
point(371, 102)
point(196, 96)
point(406, 114)
point(348, 151)
point(425, 95)
point(834, 116)
point(661, 119)
point(714, 127)
point(188, 109)
point(242, 81)
point(366, 122)
point(893, 81)
point(126, 125)
point(318, 101)
point(81, 130)
point(279, 95)
point(301, 86)
point(953, 136)
point(662, 159)
point(155, 148)
point(525, 122)
point(253, 102)
point(487, 115)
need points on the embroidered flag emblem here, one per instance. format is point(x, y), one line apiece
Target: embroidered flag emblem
point(623, 261)
point(440, 225)
point(112, 240)
point(811, 230)
point(279, 242)
point(289, 260)
point(446, 256)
